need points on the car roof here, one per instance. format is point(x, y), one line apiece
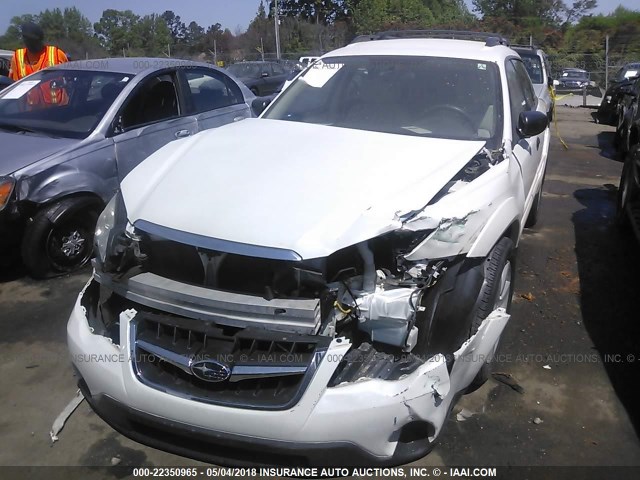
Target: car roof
point(128, 65)
point(253, 62)
point(426, 47)
point(6, 53)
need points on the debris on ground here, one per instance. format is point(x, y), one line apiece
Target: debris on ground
point(464, 414)
point(508, 380)
point(547, 367)
point(59, 422)
point(115, 461)
point(528, 296)
point(537, 420)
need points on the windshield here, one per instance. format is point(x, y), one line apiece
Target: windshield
point(245, 70)
point(631, 71)
point(534, 67)
point(420, 96)
point(60, 103)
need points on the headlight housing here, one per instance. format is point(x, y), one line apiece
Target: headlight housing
point(111, 223)
point(6, 189)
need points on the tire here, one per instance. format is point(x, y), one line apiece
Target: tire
point(626, 191)
point(59, 239)
point(496, 292)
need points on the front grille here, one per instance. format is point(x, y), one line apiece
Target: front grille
point(258, 369)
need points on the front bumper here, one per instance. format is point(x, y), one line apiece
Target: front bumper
point(359, 423)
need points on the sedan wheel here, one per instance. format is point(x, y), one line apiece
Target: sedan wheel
point(59, 239)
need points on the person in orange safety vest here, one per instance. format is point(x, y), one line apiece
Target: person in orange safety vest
point(37, 56)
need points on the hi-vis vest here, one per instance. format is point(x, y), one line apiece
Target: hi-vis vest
point(47, 93)
point(50, 59)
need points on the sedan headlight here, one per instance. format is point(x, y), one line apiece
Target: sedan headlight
point(6, 188)
point(111, 222)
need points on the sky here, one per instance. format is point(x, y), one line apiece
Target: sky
point(230, 14)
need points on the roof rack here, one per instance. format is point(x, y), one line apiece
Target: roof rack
point(531, 47)
point(490, 39)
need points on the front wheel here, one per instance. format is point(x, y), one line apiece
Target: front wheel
point(59, 239)
point(497, 291)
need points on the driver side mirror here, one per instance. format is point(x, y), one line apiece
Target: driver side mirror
point(532, 123)
point(260, 104)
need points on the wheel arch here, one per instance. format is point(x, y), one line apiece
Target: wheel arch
point(79, 199)
point(504, 222)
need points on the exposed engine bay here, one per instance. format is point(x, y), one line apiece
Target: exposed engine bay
point(368, 292)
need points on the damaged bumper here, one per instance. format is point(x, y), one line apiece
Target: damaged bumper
point(365, 420)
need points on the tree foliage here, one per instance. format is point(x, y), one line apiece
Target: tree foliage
point(316, 26)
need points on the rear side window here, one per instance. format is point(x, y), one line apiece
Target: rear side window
point(211, 90)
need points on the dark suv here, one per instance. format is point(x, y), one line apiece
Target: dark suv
point(628, 140)
point(608, 112)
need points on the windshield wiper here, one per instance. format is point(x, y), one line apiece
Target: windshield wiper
point(19, 128)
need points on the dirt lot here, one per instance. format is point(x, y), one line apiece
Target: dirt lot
point(575, 303)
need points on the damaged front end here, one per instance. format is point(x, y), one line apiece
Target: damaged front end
point(398, 309)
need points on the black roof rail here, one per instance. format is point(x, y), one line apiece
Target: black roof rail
point(490, 39)
point(364, 38)
point(530, 47)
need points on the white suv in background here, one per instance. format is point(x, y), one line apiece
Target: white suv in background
point(537, 65)
point(323, 305)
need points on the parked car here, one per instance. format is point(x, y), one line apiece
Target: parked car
point(537, 64)
point(306, 61)
point(5, 82)
point(574, 79)
point(628, 116)
point(609, 109)
point(628, 201)
point(262, 78)
point(5, 63)
point(320, 305)
point(63, 158)
point(628, 143)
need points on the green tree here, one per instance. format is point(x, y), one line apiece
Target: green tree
point(116, 31)
point(374, 15)
point(153, 37)
point(176, 26)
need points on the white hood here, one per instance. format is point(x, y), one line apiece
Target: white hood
point(308, 188)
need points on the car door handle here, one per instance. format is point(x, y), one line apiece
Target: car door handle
point(537, 143)
point(182, 133)
point(237, 119)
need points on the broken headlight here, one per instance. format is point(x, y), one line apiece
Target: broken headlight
point(111, 223)
point(6, 188)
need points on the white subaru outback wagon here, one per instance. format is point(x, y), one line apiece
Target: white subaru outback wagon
point(274, 303)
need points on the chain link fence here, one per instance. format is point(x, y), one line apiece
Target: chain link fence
point(597, 64)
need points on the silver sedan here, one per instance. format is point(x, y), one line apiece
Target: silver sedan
point(69, 134)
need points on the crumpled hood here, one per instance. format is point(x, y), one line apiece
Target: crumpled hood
point(308, 188)
point(21, 150)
